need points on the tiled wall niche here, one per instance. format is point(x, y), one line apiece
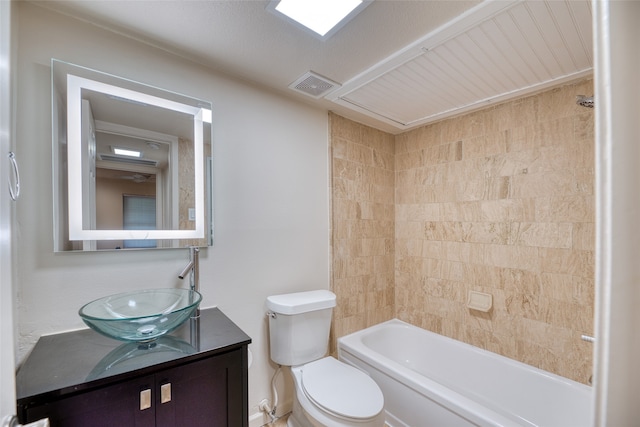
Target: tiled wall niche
point(499, 201)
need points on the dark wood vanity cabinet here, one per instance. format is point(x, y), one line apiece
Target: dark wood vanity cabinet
point(207, 393)
point(204, 388)
point(113, 405)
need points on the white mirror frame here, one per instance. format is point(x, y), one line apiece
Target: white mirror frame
point(75, 85)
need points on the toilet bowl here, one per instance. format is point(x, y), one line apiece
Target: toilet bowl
point(330, 393)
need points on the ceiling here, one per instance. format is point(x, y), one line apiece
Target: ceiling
point(397, 65)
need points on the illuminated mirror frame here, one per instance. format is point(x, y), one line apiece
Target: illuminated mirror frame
point(75, 85)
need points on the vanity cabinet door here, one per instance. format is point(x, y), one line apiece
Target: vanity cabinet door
point(115, 405)
point(210, 392)
point(207, 393)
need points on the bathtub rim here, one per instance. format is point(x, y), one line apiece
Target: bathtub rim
point(352, 346)
point(513, 362)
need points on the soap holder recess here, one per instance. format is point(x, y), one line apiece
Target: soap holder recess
point(479, 301)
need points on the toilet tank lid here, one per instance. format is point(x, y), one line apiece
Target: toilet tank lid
point(301, 302)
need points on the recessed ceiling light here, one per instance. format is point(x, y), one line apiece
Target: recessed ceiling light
point(126, 152)
point(322, 17)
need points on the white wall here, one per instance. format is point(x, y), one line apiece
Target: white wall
point(270, 189)
point(7, 362)
point(617, 83)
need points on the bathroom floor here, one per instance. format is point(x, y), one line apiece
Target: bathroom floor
point(280, 422)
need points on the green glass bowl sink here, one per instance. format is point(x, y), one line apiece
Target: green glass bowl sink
point(140, 315)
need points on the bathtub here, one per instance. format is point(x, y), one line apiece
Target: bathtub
point(429, 380)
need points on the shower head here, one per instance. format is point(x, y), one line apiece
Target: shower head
point(585, 101)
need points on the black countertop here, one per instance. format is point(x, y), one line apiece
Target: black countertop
point(80, 360)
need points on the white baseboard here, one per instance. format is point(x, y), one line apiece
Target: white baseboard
point(258, 419)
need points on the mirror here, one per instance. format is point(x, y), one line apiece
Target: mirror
point(131, 164)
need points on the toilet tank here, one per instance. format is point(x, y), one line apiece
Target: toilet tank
point(299, 326)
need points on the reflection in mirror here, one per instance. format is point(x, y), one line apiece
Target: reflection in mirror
point(132, 164)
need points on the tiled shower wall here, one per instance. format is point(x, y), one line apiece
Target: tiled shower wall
point(498, 201)
point(362, 222)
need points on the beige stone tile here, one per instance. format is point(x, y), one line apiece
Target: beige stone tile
point(409, 229)
point(498, 118)
point(449, 231)
point(558, 102)
point(339, 148)
point(346, 170)
point(452, 270)
point(347, 248)
point(457, 211)
point(468, 253)
point(480, 275)
point(372, 247)
point(383, 159)
point(517, 138)
point(418, 212)
point(510, 256)
point(584, 236)
point(550, 235)
point(501, 210)
point(520, 281)
point(341, 127)
point(377, 140)
point(382, 177)
point(485, 232)
point(549, 133)
point(568, 156)
point(567, 315)
point(411, 265)
point(346, 209)
point(584, 126)
point(339, 268)
point(381, 194)
point(566, 261)
point(432, 249)
point(468, 191)
point(524, 305)
point(568, 288)
point(570, 208)
point(525, 111)
point(409, 247)
point(513, 163)
point(554, 183)
point(409, 160)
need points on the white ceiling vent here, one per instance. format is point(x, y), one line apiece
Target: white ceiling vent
point(313, 84)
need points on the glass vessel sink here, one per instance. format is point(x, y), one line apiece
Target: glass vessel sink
point(142, 315)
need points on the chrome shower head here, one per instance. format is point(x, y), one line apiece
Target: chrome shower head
point(585, 101)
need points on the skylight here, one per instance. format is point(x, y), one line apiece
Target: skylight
point(322, 17)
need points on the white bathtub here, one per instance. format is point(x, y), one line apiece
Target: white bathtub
point(429, 380)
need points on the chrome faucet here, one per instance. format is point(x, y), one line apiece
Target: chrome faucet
point(194, 285)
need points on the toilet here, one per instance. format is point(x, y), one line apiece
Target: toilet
point(328, 393)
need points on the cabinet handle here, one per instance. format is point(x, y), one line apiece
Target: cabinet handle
point(145, 399)
point(165, 393)
point(14, 190)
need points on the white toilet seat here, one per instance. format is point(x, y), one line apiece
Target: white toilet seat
point(341, 390)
